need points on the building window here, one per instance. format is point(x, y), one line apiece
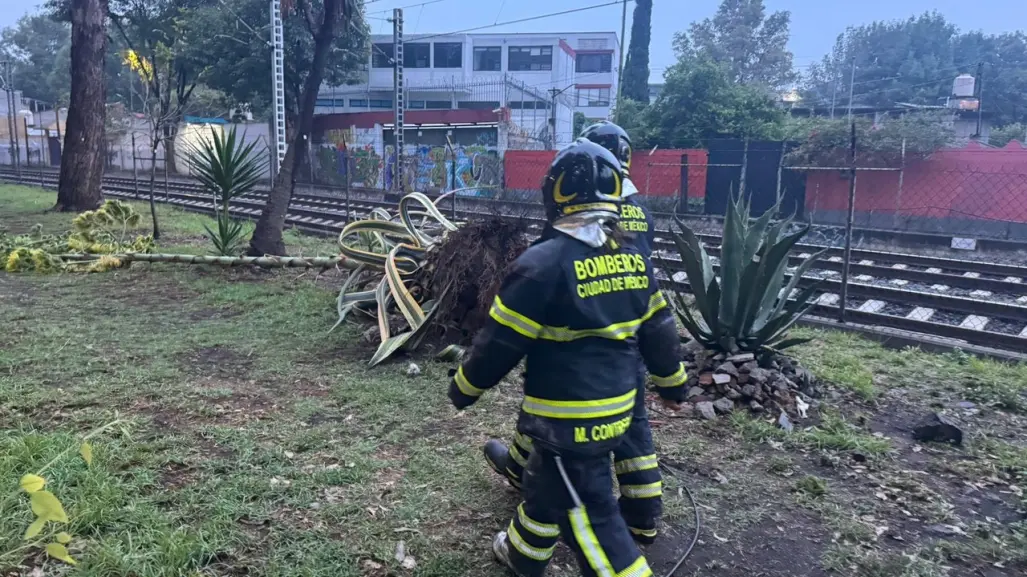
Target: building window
point(477, 105)
point(381, 55)
point(358, 102)
point(528, 58)
point(417, 55)
point(593, 97)
point(380, 103)
point(488, 58)
point(449, 55)
point(529, 105)
point(330, 102)
point(593, 63)
point(438, 104)
point(415, 104)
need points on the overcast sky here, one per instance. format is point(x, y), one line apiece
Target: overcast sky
point(815, 23)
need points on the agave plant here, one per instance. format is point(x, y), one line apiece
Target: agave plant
point(228, 168)
point(747, 307)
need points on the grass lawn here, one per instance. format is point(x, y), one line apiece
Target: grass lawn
point(256, 443)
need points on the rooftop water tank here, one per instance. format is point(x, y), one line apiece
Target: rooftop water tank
point(963, 86)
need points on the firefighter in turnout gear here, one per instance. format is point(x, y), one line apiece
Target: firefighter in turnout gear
point(579, 306)
point(638, 472)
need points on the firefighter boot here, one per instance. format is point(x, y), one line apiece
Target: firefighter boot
point(497, 455)
point(501, 550)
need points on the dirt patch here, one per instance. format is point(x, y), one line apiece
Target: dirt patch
point(217, 361)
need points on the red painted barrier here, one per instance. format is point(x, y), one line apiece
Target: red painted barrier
point(655, 174)
point(975, 183)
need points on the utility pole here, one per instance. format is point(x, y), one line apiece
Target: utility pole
point(620, 63)
point(852, 84)
point(398, 87)
point(8, 86)
point(277, 87)
point(553, 92)
point(979, 85)
point(834, 97)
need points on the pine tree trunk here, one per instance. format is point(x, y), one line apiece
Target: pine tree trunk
point(267, 235)
point(82, 162)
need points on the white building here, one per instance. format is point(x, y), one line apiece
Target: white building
point(524, 73)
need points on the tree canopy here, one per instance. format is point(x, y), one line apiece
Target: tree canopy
point(749, 44)
point(916, 60)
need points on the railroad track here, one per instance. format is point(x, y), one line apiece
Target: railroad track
point(981, 303)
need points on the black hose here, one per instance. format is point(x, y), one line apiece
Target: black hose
point(695, 509)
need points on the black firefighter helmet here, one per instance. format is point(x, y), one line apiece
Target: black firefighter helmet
point(613, 138)
point(583, 177)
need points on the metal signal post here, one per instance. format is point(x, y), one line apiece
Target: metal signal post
point(398, 182)
point(278, 87)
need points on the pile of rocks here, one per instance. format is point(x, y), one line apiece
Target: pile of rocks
point(719, 383)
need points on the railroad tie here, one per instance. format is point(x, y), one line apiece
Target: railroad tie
point(974, 322)
point(972, 274)
point(920, 314)
point(828, 299)
point(872, 306)
point(899, 281)
point(980, 294)
point(1014, 279)
point(934, 270)
point(940, 287)
point(864, 278)
point(900, 266)
point(866, 262)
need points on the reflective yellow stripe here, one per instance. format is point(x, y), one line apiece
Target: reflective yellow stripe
point(676, 380)
point(517, 457)
point(589, 543)
point(548, 530)
point(523, 442)
point(579, 409)
point(616, 331)
point(656, 302)
point(647, 491)
point(643, 532)
point(637, 464)
point(637, 569)
point(465, 386)
point(525, 549)
point(513, 320)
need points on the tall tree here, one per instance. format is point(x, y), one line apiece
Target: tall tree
point(636, 69)
point(751, 46)
point(82, 163)
point(242, 68)
point(325, 21)
point(701, 101)
point(916, 60)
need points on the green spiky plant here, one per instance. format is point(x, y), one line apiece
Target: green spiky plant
point(746, 308)
point(228, 168)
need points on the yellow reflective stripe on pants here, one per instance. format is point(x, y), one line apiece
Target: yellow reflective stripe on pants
point(675, 380)
point(523, 548)
point(646, 491)
point(465, 386)
point(546, 530)
point(579, 409)
point(637, 569)
point(589, 543)
point(637, 464)
point(513, 320)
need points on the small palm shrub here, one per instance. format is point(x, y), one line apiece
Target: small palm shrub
point(228, 168)
point(747, 307)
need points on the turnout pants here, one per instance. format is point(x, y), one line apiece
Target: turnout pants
point(634, 461)
point(584, 513)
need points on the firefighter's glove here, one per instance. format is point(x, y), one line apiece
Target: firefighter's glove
point(459, 399)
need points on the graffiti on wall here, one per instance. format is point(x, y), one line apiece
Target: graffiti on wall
point(345, 149)
point(477, 168)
